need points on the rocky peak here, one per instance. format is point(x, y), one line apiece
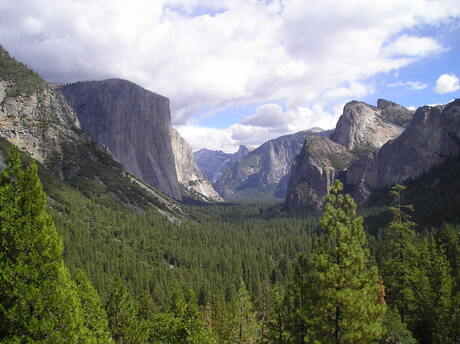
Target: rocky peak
point(188, 173)
point(241, 152)
point(314, 171)
point(432, 136)
point(363, 125)
point(261, 170)
point(395, 113)
point(133, 122)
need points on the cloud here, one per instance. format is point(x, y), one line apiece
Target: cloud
point(409, 85)
point(413, 46)
point(447, 83)
point(268, 122)
point(214, 54)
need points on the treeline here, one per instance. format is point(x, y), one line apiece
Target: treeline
point(233, 277)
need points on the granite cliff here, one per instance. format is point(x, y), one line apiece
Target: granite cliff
point(432, 137)
point(361, 130)
point(188, 174)
point(133, 123)
point(214, 163)
point(362, 125)
point(40, 122)
point(258, 174)
point(314, 170)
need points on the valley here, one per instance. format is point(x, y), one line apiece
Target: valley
point(214, 247)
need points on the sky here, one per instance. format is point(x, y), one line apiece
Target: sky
point(246, 71)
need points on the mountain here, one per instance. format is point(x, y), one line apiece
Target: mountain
point(432, 138)
point(314, 171)
point(133, 123)
point(363, 125)
point(361, 130)
point(188, 174)
point(257, 175)
point(38, 120)
point(214, 163)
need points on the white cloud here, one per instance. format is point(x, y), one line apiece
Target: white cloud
point(410, 85)
point(447, 83)
point(269, 121)
point(413, 46)
point(212, 54)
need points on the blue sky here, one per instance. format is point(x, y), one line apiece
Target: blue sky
point(245, 71)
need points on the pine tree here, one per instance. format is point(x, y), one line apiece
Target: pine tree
point(400, 266)
point(122, 314)
point(94, 315)
point(38, 303)
point(342, 297)
point(433, 323)
point(277, 318)
point(245, 326)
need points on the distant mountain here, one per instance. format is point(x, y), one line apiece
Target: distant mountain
point(133, 123)
point(214, 163)
point(369, 154)
point(258, 174)
point(195, 185)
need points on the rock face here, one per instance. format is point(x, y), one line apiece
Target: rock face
point(314, 171)
point(133, 123)
point(261, 170)
point(188, 173)
point(214, 163)
point(361, 130)
point(432, 136)
point(40, 123)
point(365, 126)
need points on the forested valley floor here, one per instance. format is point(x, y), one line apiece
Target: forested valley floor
point(77, 266)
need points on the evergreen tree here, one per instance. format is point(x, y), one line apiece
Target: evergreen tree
point(245, 326)
point(396, 330)
point(343, 289)
point(122, 314)
point(400, 266)
point(94, 315)
point(433, 322)
point(277, 318)
point(38, 302)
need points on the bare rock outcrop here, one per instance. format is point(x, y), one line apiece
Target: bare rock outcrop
point(259, 173)
point(188, 173)
point(133, 123)
point(314, 171)
point(365, 126)
point(40, 122)
point(432, 137)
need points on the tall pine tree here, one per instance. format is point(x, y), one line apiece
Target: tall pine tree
point(94, 315)
point(38, 302)
point(122, 311)
point(400, 271)
point(342, 286)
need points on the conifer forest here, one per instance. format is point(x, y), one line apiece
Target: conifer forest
point(229, 172)
point(90, 272)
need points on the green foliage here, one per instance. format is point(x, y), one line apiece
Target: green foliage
point(244, 324)
point(341, 303)
point(184, 323)
point(396, 330)
point(122, 314)
point(25, 81)
point(400, 266)
point(38, 302)
point(94, 315)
